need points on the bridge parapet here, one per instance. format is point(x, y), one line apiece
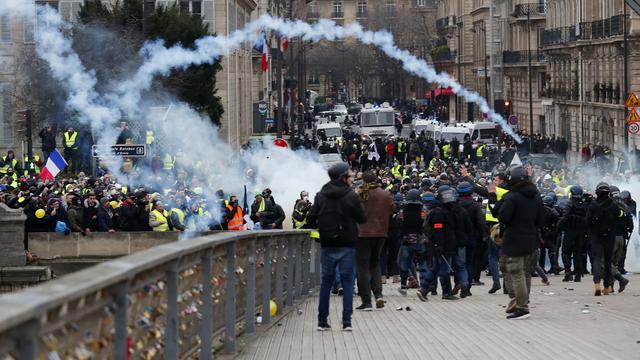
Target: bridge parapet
point(181, 299)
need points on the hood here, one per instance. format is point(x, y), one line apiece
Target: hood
point(86, 204)
point(335, 189)
point(526, 188)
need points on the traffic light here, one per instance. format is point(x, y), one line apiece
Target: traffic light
point(507, 108)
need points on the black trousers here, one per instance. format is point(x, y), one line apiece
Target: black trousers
point(368, 268)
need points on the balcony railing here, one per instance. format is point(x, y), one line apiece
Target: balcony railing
point(602, 28)
point(445, 22)
point(558, 36)
point(337, 15)
point(515, 57)
point(532, 9)
point(361, 14)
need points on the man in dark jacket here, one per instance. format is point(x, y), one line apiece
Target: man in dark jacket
point(573, 224)
point(601, 222)
point(520, 212)
point(378, 205)
point(440, 228)
point(414, 245)
point(474, 242)
point(48, 138)
point(335, 212)
point(131, 215)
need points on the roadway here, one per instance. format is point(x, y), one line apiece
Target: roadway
point(567, 322)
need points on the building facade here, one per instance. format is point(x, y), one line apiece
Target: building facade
point(585, 89)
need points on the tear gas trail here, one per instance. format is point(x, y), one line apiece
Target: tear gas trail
point(159, 60)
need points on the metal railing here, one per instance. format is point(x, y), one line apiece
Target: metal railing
point(337, 14)
point(558, 36)
point(176, 300)
point(532, 9)
point(601, 29)
point(445, 22)
point(516, 57)
point(361, 14)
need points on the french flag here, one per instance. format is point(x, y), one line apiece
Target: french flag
point(261, 45)
point(55, 164)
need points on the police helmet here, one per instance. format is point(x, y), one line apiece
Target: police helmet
point(576, 191)
point(602, 188)
point(397, 198)
point(465, 188)
point(548, 200)
point(625, 195)
point(413, 197)
point(614, 191)
point(446, 194)
point(338, 170)
point(428, 197)
point(516, 174)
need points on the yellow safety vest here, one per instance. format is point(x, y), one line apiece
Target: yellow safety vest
point(5, 168)
point(480, 151)
point(180, 214)
point(236, 222)
point(168, 162)
point(161, 217)
point(150, 137)
point(315, 234)
point(70, 140)
point(446, 151)
point(401, 147)
point(432, 164)
point(395, 171)
point(500, 192)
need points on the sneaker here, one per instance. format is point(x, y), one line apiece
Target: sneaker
point(546, 282)
point(347, 327)
point(396, 279)
point(519, 314)
point(402, 291)
point(365, 307)
point(380, 303)
point(577, 278)
point(340, 292)
point(422, 295)
point(450, 297)
point(567, 278)
point(465, 292)
point(324, 327)
point(334, 291)
point(412, 283)
point(623, 284)
point(494, 288)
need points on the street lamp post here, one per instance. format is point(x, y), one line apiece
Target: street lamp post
point(529, 76)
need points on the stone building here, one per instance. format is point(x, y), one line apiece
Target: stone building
point(584, 47)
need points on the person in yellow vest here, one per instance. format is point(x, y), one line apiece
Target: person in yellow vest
point(233, 215)
point(9, 161)
point(178, 213)
point(71, 148)
point(480, 153)
point(401, 151)
point(300, 210)
point(446, 151)
point(159, 219)
point(397, 171)
point(31, 167)
point(494, 193)
point(168, 162)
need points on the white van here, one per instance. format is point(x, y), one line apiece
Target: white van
point(483, 131)
point(332, 130)
point(431, 127)
point(460, 133)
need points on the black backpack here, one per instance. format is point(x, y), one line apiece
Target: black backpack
point(331, 220)
point(602, 220)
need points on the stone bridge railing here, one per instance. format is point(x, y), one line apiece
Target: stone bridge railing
point(185, 299)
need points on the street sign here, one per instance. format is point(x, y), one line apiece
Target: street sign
point(124, 150)
point(513, 120)
point(633, 116)
point(281, 143)
point(262, 108)
point(633, 128)
point(632, 101)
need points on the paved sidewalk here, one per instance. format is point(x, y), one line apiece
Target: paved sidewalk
point(567, 322)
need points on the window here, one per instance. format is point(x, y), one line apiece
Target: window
point(337, 9)
point(313, 7)
point(29, 28)
point(390, 7)
point(421, 3)
point(6, 133)
point(362, 7)
point(5, 28)
point(191, 7)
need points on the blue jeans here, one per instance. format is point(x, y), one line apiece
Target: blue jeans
point(405, 259)
point(460, 268)
point(440, 268)
point(494, 255)
point(344, 260)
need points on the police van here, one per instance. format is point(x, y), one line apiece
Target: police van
point(377, 121)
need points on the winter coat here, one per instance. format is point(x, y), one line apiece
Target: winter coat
point(476, 216)
point(75, 214)
point(353, 212)
point(48, 140)
point(520, 211)
point(105, 219)
point(439, 226)
point(378, 207)
point(132, 217)
point(89, 213)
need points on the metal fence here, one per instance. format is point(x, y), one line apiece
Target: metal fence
point(178, 300)
point(516, 57)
